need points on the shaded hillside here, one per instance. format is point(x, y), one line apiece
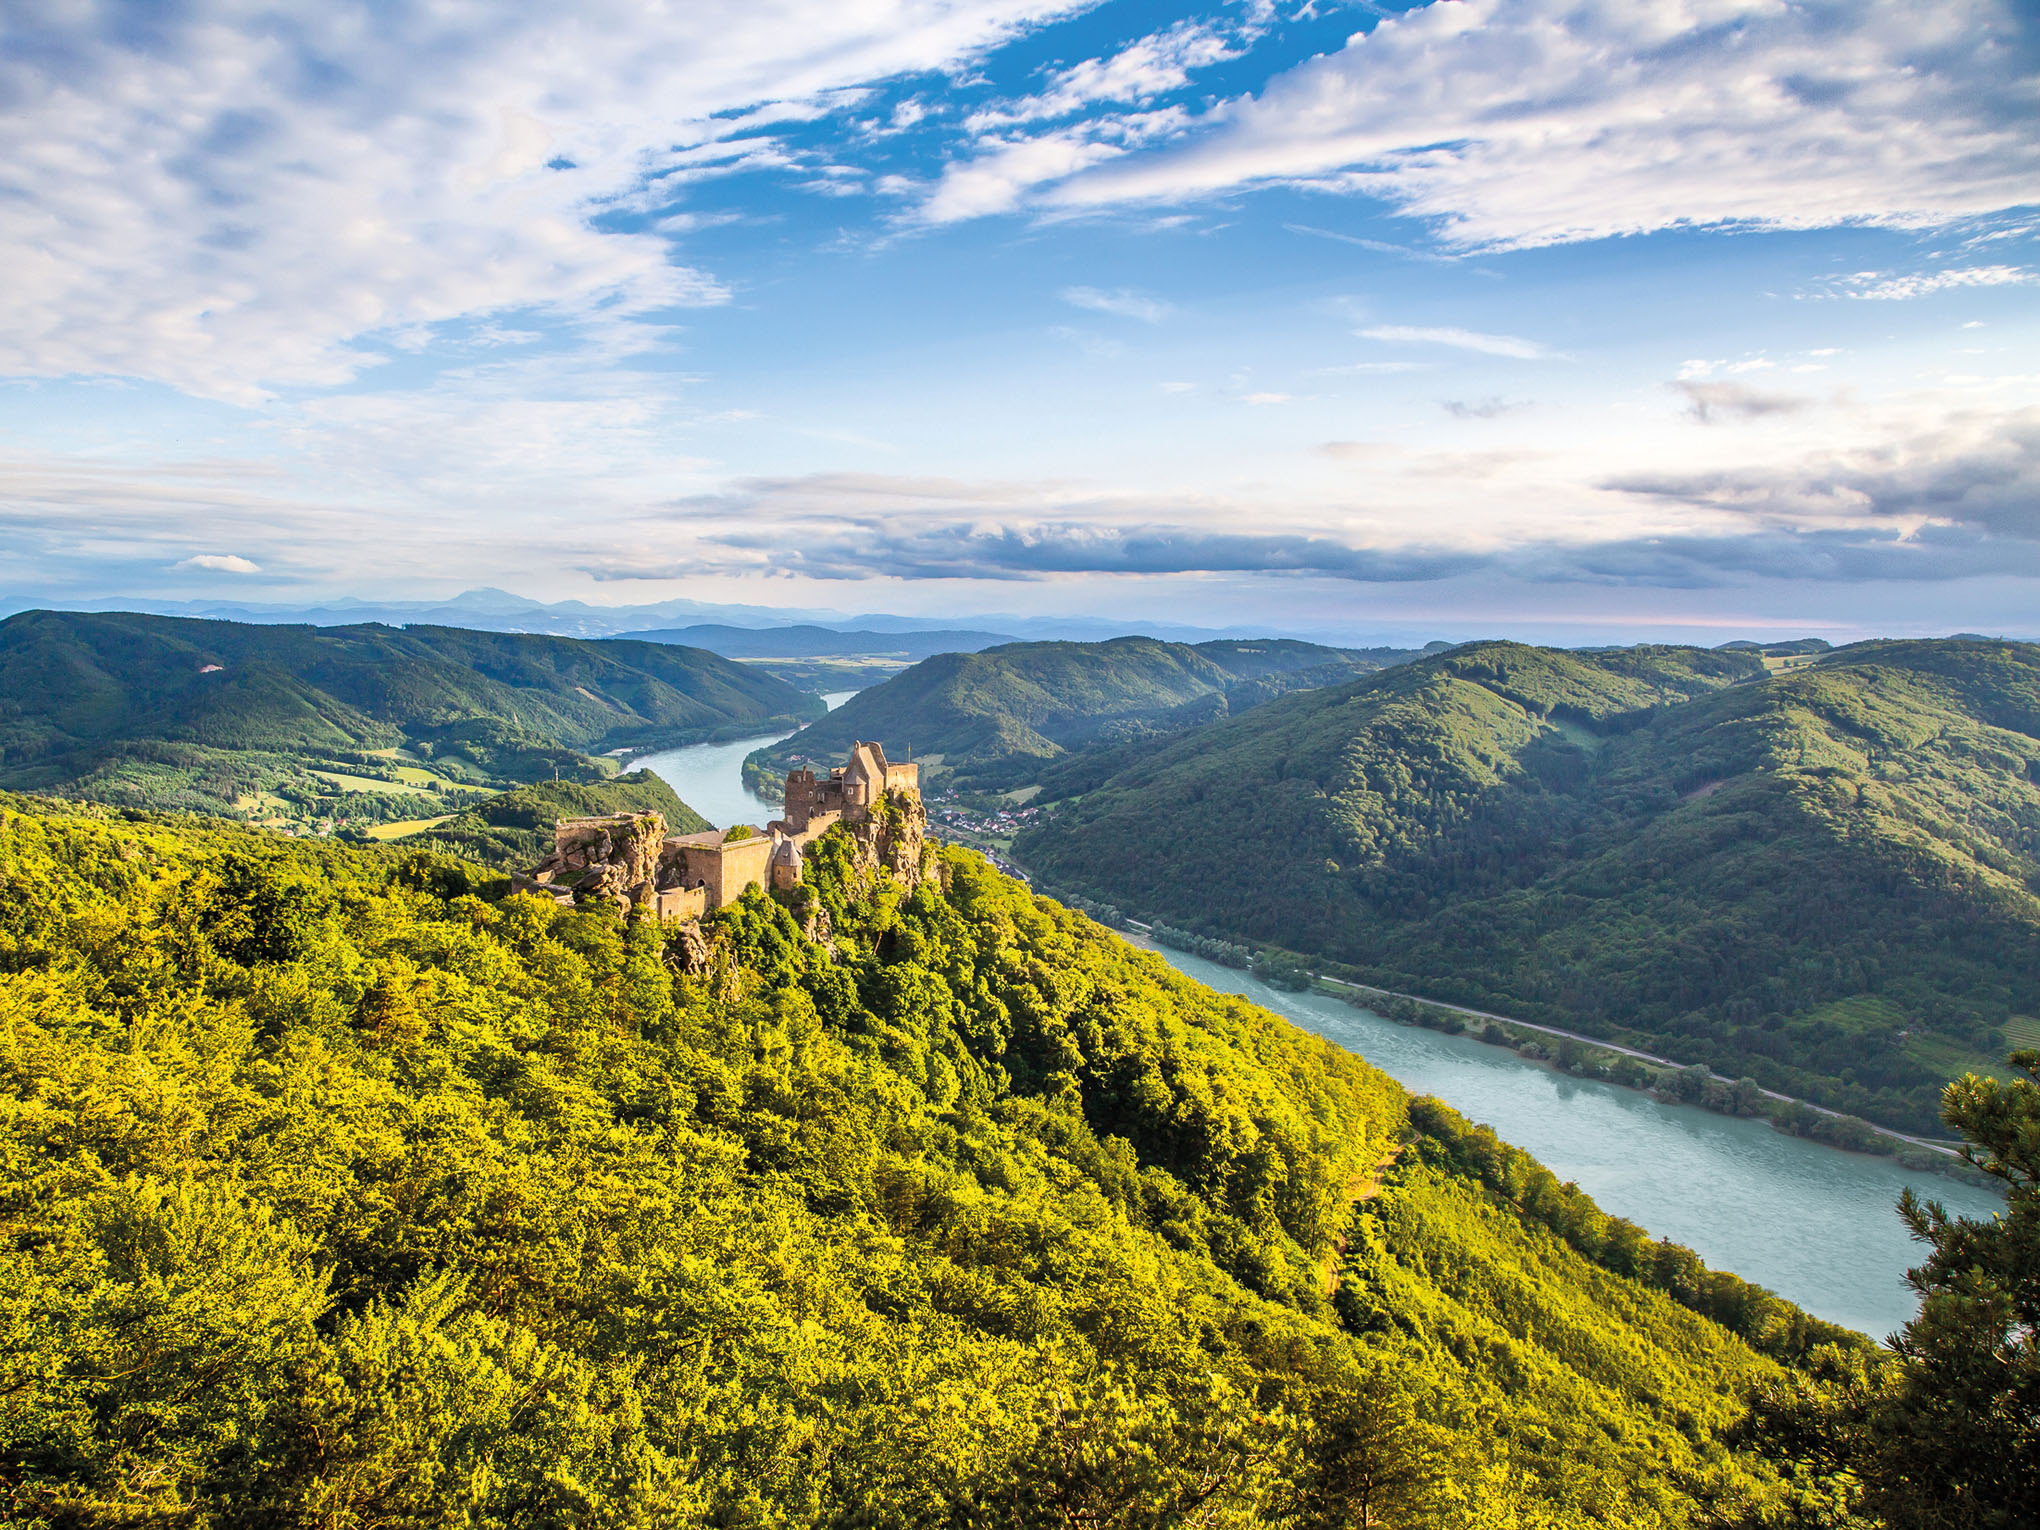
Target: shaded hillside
point(1825, 879)
point(218, 716)
point(340, 1195)
point(514, 829)
point(994, 719)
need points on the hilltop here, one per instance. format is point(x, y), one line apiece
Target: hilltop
point(916, 1203)
point(1824, 878)
point(993, 720)
point(365, 722)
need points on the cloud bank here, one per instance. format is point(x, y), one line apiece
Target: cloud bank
point(227, 197)
point(1519, 123)
point(1956, 501)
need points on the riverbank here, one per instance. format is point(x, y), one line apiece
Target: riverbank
point(1816, 1225)
point(1591, 1057)
point(1662, 1078)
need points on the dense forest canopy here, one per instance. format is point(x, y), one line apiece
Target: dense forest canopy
point(340, 1189)
point(367, 723)
point(993, 719)
point(1827, 878)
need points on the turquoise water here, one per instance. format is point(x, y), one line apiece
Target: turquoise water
point(1813, 1224)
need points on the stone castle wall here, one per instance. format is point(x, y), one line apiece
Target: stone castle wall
point(629, 860)
point(723, 869)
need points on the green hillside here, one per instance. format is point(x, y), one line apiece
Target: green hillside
point(993, 720)
point(1825, 878)
point(361, 724)
point(336, 1194)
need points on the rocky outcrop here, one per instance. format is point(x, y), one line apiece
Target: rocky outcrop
point(597, 860)
point(894, 839)
point(688, 949)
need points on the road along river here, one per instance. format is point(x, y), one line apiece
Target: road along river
point(1813, 1223)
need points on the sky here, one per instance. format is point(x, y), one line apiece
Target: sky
point(1576, 320)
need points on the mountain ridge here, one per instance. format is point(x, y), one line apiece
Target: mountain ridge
point(994, 719)
point(1823, 878)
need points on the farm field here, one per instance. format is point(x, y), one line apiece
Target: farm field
point(352, 783)
point(404, 826)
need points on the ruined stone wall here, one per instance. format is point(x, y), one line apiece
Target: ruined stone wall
point(677, 903)
point(725, 870)
point(816, 826)
point(744, 864)
point(627, 859)
point(809, 798)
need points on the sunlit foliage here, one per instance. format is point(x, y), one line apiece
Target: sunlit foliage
point(336, 1194)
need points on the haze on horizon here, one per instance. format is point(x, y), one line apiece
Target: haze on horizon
point(1622, 317)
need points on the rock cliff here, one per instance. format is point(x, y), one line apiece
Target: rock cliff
point(894, 839)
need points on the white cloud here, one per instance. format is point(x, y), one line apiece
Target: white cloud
point(1978, 470)
point(1381, 247)
point(1004, 170)
point(1120, 301)
point(1518, 123)
point(1877, 286)
point(996, 180)
point(1702, 367)
point(220, 563)
point(227, 199)
point(1267, 398)
point(1458, 339)
point(1145, 69)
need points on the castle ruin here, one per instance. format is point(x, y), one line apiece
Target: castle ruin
point(628, 858)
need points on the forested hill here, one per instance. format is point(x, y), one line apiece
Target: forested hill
point(1825, 878)
point(215, 716)
point(994, 719)
point(340, 1195)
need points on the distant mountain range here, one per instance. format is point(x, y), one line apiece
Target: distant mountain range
point(491, 610)
point(815, 642)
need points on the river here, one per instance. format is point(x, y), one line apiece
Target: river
point(1812, 1223)
point(710, 777)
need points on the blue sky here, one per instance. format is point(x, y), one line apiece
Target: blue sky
point(1574, 319)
